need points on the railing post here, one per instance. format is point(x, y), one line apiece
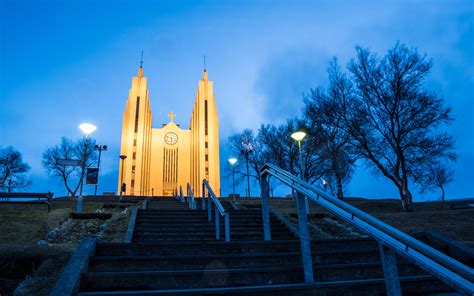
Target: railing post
point(227, 227)
point(265, 214)
point(209, 208)
point(305, 241)
point(390, 271)
point(218, 230)
point(191, 200)
point(203, 196)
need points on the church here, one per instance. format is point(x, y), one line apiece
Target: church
point(160, 160)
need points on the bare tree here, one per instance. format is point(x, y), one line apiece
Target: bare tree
point(393, 120)
point(281, 150)
point(327, 133)
point(256, 159)
point(71, 176)
point(13, 170)
point(437, 176)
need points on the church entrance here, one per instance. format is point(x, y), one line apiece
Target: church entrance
point(170, 171)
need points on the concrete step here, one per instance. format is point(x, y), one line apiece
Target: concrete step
point(186, 232)
point(319, 257)
point(190, 219)
point(413, 285)
point(202, 219)
point(222, 277)
point(211, 227)
point(173, 213)
point(205, 236)
point(323, 272)
point(204, 223)
point(216, 247)
point(179, 262)
point(255, 259)
point(173, 279)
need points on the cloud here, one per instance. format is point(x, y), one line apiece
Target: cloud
point(286, 77)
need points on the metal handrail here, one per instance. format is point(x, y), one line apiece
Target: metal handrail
point(409, 241)
point(190, 197)
point(181, 196)
point(175, 195)
point(447, 269)
point(220, 210)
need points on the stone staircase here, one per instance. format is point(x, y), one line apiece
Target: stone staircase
point(174, 252)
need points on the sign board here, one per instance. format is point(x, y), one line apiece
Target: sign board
point(92, 175)
point(70, 162)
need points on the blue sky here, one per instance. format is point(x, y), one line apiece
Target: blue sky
point(66, 62)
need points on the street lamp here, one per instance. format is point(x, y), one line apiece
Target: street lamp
point(246, 150)
point(122, 157)
point(298, 136)
point(87, 129)
point(232, 162)
point(99, 148)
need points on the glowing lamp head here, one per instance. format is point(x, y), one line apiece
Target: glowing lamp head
point(232, 160)
point(298, 135)
point(87, 128)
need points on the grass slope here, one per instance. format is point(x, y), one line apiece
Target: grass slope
point(35, 267)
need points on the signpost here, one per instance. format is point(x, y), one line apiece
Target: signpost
point(69, 162)
point(92, 175)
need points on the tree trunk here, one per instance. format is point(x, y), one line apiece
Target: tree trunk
point(407, 200)
point(340, 194)
point(442, 196)
point(66, 185)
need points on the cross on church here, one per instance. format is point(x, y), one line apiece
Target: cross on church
point(171, 116)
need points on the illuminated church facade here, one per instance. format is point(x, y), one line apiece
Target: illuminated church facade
point(160, 160)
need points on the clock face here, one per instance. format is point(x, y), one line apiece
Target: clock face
point(171, 138)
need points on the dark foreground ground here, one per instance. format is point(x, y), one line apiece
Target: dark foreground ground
point(35, 245)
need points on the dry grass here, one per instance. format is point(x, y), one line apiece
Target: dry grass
point(456, 224)
point(36, 268)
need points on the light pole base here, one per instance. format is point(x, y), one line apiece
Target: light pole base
point(79, 204)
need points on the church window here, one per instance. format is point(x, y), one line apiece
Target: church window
point(133, 169)
point(205, 117)
point(207, 157)
point(132, 183)
point(136, 114)
point(135, 142)
point(134, 155)
point(207, 144)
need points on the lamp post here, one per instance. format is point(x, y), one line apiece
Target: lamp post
point(232, 162)
point(98, 148)
point(122, 157)
point(87, 129)
point(246, 150)
point(298, 136)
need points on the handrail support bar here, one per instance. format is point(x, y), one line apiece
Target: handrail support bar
point(227, 227)
point(217, 222)
point(203, 200)
point(390, 271)
point(306, 256)
point(265, 213)
point(209, 208)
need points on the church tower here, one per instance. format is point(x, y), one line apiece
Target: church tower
point(161, 160)
point(205, 138)
point(136, 138)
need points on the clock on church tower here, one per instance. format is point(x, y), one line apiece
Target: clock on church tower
point(171, 138)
